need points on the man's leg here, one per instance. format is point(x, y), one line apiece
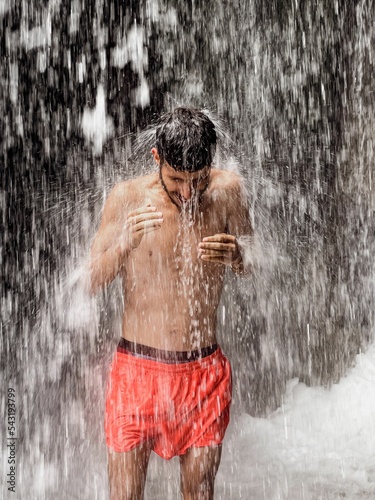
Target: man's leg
point(198, 471)
point(127, 473)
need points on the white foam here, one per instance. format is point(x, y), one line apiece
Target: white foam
point(319, 444)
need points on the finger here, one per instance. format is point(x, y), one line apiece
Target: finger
point(215, 258)
point(140, 226)
point(222, 237)
point(217, 246)
point(144, 217)
point(219, 253)
point(150, 229)
point(146, 230)
point(141, 210)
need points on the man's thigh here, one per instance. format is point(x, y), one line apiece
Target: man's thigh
point(127, 472)
point(199, 466)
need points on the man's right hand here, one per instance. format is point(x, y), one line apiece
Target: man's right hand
point(141, 221)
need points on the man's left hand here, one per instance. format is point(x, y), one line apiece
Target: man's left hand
point(220, 248)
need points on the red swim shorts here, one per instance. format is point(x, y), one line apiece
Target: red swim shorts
point(176, 406)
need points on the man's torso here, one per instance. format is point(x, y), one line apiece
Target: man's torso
point(170, 295)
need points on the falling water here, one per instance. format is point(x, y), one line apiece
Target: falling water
point(292, 82)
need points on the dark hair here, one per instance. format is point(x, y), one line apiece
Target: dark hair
point(186, 139)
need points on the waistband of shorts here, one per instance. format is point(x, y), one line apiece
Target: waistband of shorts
point(169, 357)
point(127, 360)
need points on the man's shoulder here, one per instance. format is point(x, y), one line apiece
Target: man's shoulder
point(125, 195)
point(130, 189)
point(228, 187)
point(226, 179)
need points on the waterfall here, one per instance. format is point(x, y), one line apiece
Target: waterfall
point(291, 85)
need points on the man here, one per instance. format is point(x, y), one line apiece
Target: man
point(170, 236)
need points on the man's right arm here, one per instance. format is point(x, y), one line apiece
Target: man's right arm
point(120, 232)
point(109, 250)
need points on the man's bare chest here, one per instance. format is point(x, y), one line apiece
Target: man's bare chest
point(175, 244)
point(182, 233)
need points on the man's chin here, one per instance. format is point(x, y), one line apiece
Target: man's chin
point(181, 201)
point(186, 204)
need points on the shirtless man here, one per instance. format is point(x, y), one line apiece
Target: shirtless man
point(170, 236)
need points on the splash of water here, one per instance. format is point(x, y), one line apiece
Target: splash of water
point(293, 81)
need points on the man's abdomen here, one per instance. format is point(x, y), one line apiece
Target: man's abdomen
point(170, 322)
point(170, 308)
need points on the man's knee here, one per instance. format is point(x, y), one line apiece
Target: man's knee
point(198, 471)
point(126, 489)
point(127, 474)
point(198, 487)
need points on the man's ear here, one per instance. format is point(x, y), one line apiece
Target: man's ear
point(156, 156)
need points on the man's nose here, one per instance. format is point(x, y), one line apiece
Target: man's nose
point(186, 190)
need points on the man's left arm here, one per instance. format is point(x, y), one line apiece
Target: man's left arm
point(233, 247)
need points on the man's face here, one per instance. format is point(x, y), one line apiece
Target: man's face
point(184, 188)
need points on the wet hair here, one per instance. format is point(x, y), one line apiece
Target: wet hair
point(186, 139)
